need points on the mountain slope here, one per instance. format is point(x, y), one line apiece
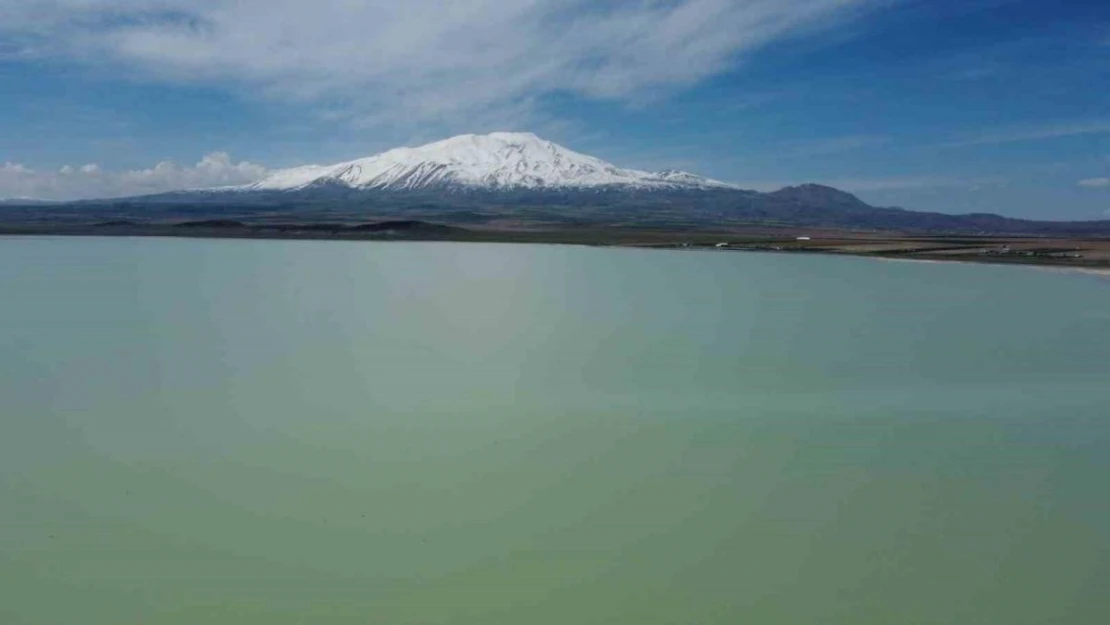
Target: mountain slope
point(497, 161)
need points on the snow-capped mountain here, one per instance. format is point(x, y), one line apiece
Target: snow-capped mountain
point(500, 161)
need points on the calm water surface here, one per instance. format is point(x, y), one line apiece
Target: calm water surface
point(239, 432)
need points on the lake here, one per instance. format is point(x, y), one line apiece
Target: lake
point(265, 432)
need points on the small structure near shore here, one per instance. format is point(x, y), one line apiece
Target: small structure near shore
point(722, 245)
point(805, 238)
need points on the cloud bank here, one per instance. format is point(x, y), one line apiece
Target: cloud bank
point(1095, 183)
point(418, 61)
point(91, 181)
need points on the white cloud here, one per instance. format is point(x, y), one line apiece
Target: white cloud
point(90, 181)
point(14, 169)
point(1095, 183)
point(1034, 133)
point(380, 61)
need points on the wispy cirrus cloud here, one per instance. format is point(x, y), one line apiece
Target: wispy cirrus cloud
point(893, 183)
point(1033, 133)
point(883, 183)
point(91, 181)
point(424, 60)
point(1095, 183)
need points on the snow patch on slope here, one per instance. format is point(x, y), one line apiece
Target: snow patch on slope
point(497, 161)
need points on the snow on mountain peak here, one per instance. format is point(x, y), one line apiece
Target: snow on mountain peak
point(495, 161)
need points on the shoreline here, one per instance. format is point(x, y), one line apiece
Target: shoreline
point(1052, 254)
point(1101, 272)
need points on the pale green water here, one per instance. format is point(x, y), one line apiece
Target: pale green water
point(221, 432)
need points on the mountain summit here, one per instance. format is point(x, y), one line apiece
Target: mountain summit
point(497, 161)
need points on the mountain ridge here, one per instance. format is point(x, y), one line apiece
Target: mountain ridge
point(495, 161)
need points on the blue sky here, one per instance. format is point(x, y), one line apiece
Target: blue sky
point(969, 106)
